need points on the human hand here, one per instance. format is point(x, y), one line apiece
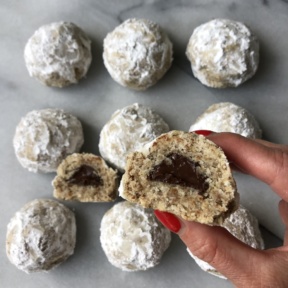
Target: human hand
point(241, 264)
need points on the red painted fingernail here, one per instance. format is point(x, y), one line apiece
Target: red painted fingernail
point(168, 220)
point(203, 132)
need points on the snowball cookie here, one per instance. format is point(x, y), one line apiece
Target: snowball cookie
point(58, 54)
point(128, 130)
point(182, 173)
point(228, 117)
point(85, 178)
point(132, 238)
point(242, 225)
point(137, 53)
point(40, 236)
point(43, 138)
point(223, 53)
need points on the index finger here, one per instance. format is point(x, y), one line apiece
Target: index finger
point(268, 163)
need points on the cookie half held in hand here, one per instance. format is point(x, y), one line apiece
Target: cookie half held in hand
point(182, 173)
point(85, 178)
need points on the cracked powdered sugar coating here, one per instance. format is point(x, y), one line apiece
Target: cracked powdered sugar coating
point(137, 53)
point(228, 117)
point(58, 54)
point(242, 225)
point(223, 53)
point(40, 236)
point(127, 131)
point(43, 138)
point(132, 238)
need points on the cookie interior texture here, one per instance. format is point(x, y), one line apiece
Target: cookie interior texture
point(182, 173)
point(85, 178)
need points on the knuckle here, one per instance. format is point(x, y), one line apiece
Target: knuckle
point(206, 249)
point(280, 171)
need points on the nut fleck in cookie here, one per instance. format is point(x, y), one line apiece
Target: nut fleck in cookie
point(228, 117)
point(242, 225)
point(132, 237)
point(137, 53)
point(43, 138)
point(223, 53)
point(182, 173)
point(85, 178)
point(58, 54)
point(40, 236)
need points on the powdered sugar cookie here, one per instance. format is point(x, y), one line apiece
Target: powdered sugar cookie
point(228, 117)
point(137, 53)
point(40, 236)
point(58, 54)
point(132, 238)
point(242, 225)
point(128, 130)
point(223, 53)
point(43, 138)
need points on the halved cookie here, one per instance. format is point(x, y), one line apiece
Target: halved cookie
point(182, 173)
point(85, 178)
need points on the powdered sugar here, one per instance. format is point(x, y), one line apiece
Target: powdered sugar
point(58, 54)
point(223, 53)
point(137, 53)
point(132, 238)
point(43, 138)
point(40, 236)
point(128, 130)
point(228, 117)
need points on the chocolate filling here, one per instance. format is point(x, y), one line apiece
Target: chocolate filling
point(181, 171)
point(85, 176)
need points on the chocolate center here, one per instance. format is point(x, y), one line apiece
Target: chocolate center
point(181, 171)
point(85, 176)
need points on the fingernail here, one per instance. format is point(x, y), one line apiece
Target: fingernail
point(203, 132)
point(168, 220)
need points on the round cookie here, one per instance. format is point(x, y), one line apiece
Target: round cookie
point(58, 54)
point(182, 173)
point(85, 178)
point(43, 138)
point(223, 53)
point(137, 53)
point(132, 238)
point(242, 225)
point(40, 236)
point(128, 130)
point(228, 117)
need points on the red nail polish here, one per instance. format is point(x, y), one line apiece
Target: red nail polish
point(203, 132)
point(168, 220)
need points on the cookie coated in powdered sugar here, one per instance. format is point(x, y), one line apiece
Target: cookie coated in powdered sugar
point(242, 225)
point(228, 117)
point(43, 138)
point(137, 53)
point(128, 130)
point(40, 236)
point(223, 53)
point(132, 238)
point(58, 54)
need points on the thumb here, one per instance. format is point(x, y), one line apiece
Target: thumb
point(283, 209)
point(216, 246)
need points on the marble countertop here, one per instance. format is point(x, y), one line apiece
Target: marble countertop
point(179, 98)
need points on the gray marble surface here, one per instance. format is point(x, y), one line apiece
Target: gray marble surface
point(178, 97)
